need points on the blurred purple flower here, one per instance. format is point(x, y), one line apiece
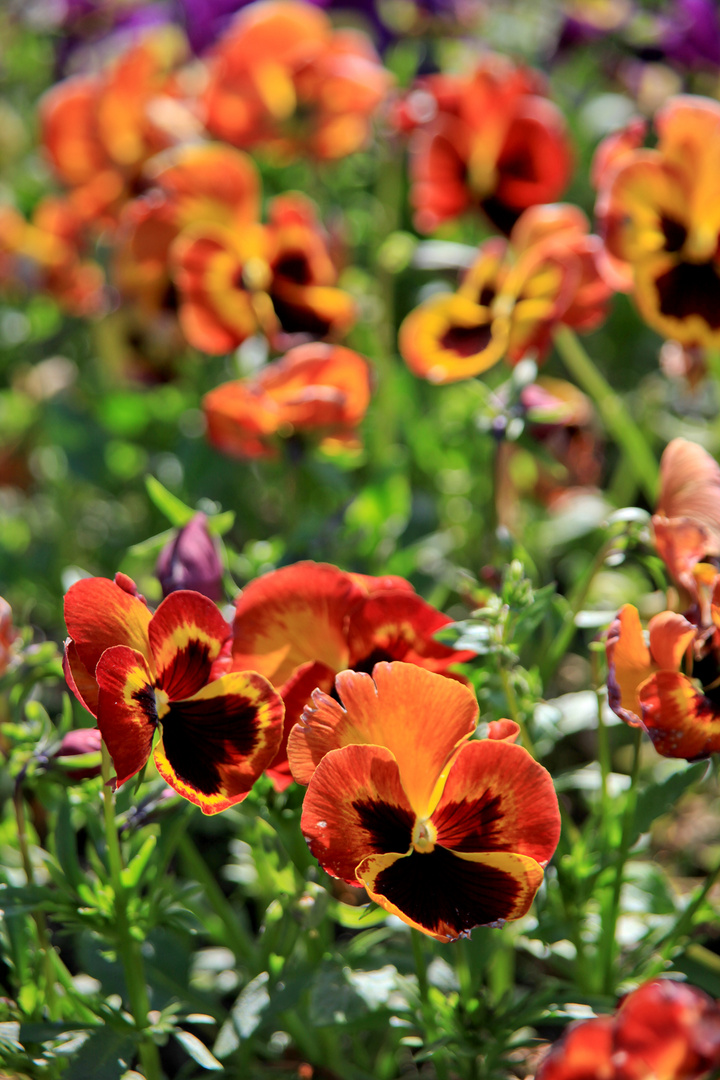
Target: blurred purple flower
point(191, 561)
point(691, 34)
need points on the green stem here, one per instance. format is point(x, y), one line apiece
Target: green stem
point(46, 948)
point(603, 745)
point(514, 708)
point(128, 946)
point(428, 1014)
point(641, 461)
point(237, 937)
point(610, 922)
point(683, 925)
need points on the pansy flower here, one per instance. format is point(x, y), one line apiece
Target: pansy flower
point(510, 299)
point(144, 675)
point(300, 625)
point(664, 1030)
point(445, 833)
point(281, 77)
point(660, 217)
point(490, 140)
point(316, 389)
point(668, 686)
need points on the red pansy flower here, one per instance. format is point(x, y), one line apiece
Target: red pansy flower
point(140, 673)
point(446, 833)
point(664, 1030)
point(319, 389)
point(300, 625)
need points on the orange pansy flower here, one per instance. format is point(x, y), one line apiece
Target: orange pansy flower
point(138, 672)
point(489, 140)
point(300, 625)
point(660, 219)
point(319, 389)
point(667, 686)
point(664, 1030)
point(281, 77)
point(443, 832)
point(510, 299)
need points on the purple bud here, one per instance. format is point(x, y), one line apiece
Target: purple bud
point(191, 561)
point(81, 741)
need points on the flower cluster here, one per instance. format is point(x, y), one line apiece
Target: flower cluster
point(511, 298)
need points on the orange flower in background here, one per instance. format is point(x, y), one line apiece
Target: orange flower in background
point(660, 218)
point(489, 140)
point(278, 279)
point(664, 1030)
point(668, 686)
point(318, 389)
point(282, 78)
point(139, 673)
point(47, 255)
point(443, 832)
point(686, 522)
point(189, 186)
point(300, 625)
point(510, 299)
point(99, 130)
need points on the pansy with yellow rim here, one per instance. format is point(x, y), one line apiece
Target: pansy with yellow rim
point(141, 674)
point(444, 832)
point(659, 214)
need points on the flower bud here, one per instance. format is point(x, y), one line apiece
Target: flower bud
point(77, 743)
point(191, 561)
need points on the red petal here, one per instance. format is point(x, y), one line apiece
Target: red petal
point(127, 713)
point(497, 798)
point(355, 806)
point(216, 744)
point(584, 1052)
point(291, 616)
point(296, 694)
point(679, 719)
point(100, 614)
point(187, 634)
point(79, 680)
point(399, 625)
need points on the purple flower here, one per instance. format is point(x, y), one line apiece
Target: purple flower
point(691, 35)
point(191, 561)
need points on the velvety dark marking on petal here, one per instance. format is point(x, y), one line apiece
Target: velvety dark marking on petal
point(674, 232)
point(375, 657)
point(691, 289)
point(199, 736)
point(189, 671)
point(294, 266)
point(389, 827)
point(146, 700)
point(706, 670)
point(438, 888)
point(295, 319)
point(487, 295)
point(517, 162)
point(466, 340)
point(502, 216)
point(471, 826)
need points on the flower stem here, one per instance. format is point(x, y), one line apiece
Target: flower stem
point(641, 461)
point(46, 950)
point(428, 1015)
point(612, 912)
point(128, 945)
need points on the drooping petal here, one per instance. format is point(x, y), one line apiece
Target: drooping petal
point(419, 716)
point(127, 713)
point(354, 807)
point(187, 633)
point(670, 635)
point(293, 615)
point(681, 721)
point(215, 745)
point(498, 798)
point(78, 678)
point(629, 664)
point(99, 614)
point(503, 730)
point(445, 893)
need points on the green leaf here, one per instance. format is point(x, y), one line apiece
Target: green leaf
point(106, 1055)
point(133, 873)
point(659, 799)
point(219, 524)
point(197, 1050)
point(174, 509)
point(357, 918)
point(65, 842)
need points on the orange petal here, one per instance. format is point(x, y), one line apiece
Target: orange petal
point(670, 636)
point(629, 664)
point(355, 806)
point(187, 634)
point(100, 613)
point(681, 721)
point(497, 798)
